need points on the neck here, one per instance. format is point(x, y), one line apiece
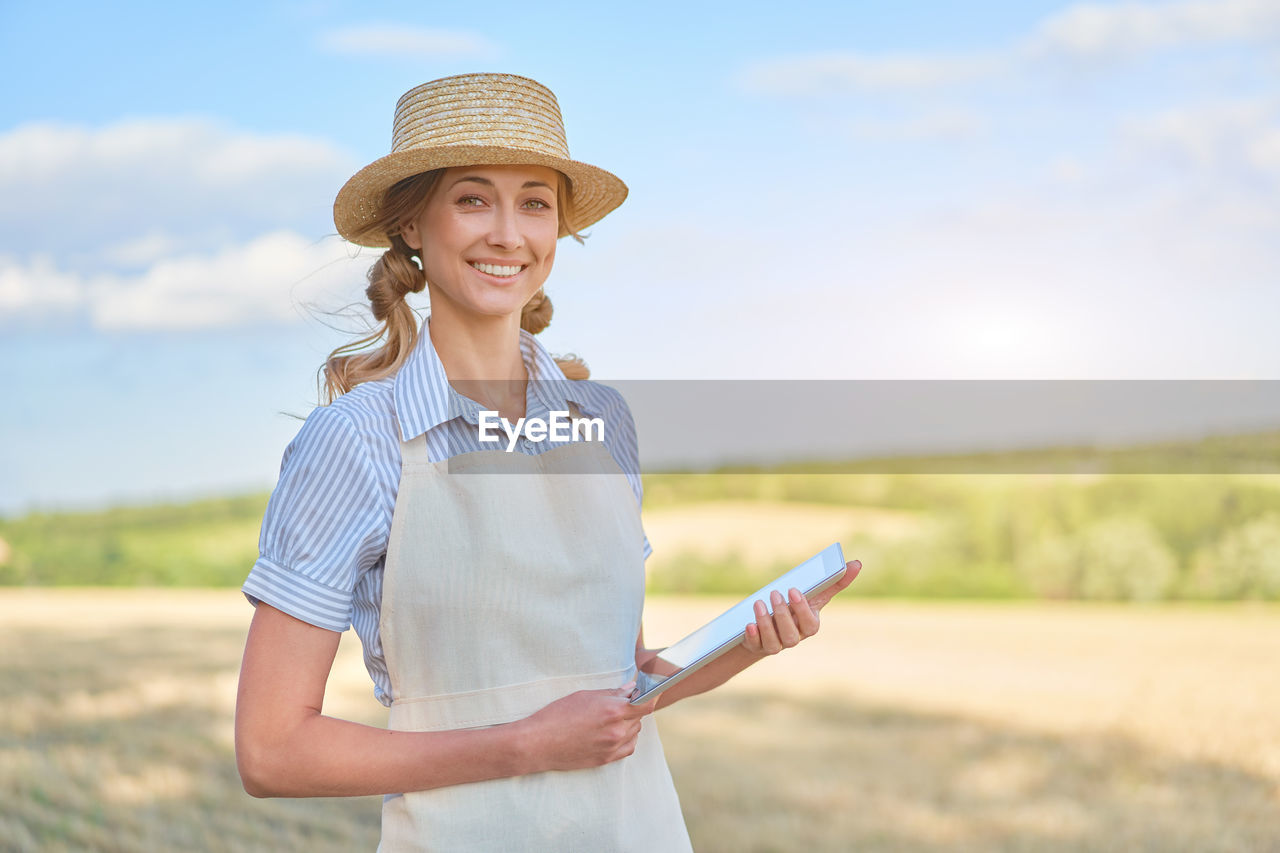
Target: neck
point(481, 357)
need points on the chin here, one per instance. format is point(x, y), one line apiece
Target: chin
point(505, 308)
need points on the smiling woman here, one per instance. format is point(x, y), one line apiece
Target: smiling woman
point(500, 615)
point(402, 270)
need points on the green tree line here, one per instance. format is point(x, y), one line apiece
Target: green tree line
point(1110, 536)
point(1113, 537)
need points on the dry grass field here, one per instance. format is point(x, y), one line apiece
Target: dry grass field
point(902, 727)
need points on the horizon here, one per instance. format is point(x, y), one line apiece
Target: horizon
point(1067, 460)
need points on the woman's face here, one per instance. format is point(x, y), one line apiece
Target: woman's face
point(487, 237)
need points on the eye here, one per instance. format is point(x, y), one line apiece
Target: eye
point(537, 204)
point(470, 201)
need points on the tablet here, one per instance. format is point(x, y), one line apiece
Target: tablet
point(727, 630)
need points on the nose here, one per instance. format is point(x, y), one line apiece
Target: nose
point(504, 232)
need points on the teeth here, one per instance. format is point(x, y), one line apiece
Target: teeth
point(494, 269)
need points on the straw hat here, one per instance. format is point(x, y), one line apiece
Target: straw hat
point(473, 120)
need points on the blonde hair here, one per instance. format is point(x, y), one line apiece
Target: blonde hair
point(396, 274)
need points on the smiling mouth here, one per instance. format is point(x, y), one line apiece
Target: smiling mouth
point(498, 270)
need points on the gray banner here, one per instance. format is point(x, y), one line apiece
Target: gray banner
point(955, 426)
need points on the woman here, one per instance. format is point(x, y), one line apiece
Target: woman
point(497, 594)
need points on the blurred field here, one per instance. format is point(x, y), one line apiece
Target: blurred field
point(936, 726)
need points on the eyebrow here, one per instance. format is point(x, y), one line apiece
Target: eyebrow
point(489, 183)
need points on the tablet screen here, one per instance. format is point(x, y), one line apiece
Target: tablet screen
point(726, 630)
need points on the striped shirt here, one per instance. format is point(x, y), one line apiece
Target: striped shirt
point(324, 536)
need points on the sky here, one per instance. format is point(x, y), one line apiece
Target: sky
point(871, 190)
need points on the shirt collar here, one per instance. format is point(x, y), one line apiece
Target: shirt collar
point(424, 399)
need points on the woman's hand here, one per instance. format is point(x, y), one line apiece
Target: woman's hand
point(793, 619)
point(585, 729)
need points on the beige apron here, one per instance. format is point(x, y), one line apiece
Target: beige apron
point(512, 580)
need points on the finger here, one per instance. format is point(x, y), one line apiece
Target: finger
point(769, 642)
point(851, 571)
point(626, 742)
point(751, 642)
point(625, 690)
point(806, 617)
point(783, 621)
point(627, 747)
point(644, 708)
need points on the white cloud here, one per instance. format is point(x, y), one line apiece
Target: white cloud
point(1081, 32)
point(170, 224)
point(156, 149)
point(69, 190)
point(820, 73)
point(409, 42)
point(142, 251)
point(1067, 170)
point(1263, 151)
point(165, 223)
point(36, 287)
point(949, 124)
point(257, 282)
point(1226, 139)
point(1128, 29)
point(273, 278)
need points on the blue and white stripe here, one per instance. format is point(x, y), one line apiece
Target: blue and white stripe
point(324, 536)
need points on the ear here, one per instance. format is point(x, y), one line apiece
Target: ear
point(412, 237)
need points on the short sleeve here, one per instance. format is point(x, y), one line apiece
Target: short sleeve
point(323, 526)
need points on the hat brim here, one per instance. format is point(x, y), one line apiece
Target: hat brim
point(595, 191)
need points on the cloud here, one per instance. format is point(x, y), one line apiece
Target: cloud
point(1129, 29)
point(948, 124)
point(199, 150)
point(1082, 32)
point(1264, 151)
point(821, 73)
point(167, 223)
point(36, 287)
point(74, 192)
point(407, 42)
point(1231, 140)
point(141, 251)
point(273, 278)
point(262, 281)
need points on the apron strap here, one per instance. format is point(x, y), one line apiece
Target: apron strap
point(415, 450)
